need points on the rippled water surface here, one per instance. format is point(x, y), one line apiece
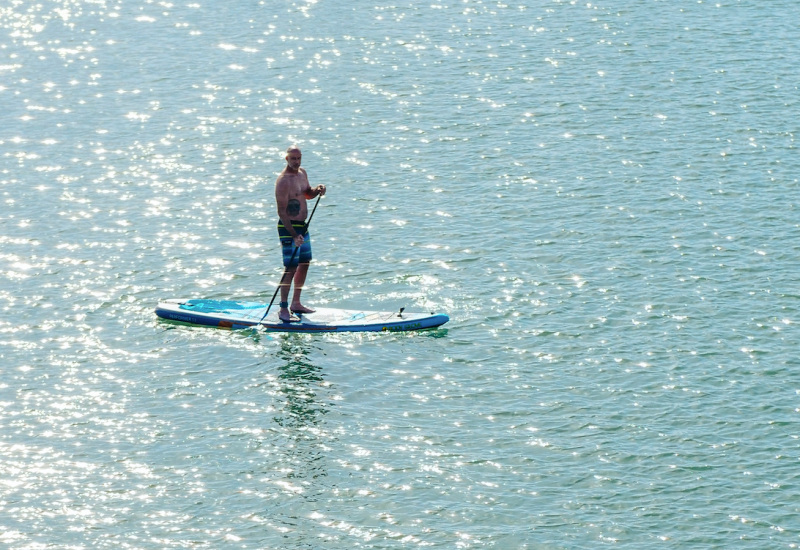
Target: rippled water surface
point(602, 196)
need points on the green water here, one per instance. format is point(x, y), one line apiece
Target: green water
point(603, 197)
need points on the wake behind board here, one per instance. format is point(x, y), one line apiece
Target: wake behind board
point(234, 314)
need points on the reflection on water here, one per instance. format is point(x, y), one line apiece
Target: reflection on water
point(282, 488)
point(302, 386)
point(299, 381)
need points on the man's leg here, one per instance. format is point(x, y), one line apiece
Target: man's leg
point(299, 281)
point(286, 282)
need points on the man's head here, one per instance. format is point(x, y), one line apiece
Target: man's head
point(293, 157)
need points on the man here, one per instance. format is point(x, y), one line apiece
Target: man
point(291, 191)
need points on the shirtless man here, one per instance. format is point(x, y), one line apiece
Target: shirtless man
point(291, 191)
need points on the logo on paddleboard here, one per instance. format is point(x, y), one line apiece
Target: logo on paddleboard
point(402, 328)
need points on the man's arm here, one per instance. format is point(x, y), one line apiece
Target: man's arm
point(312, 192)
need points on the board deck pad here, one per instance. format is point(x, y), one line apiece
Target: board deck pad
point(237, 314)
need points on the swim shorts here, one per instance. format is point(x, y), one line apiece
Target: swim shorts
point(302, 256)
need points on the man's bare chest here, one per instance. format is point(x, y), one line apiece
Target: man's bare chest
point(295, 185)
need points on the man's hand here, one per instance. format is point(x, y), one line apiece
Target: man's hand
point(312, 192)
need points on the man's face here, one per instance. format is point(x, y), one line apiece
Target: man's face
point(293, 159)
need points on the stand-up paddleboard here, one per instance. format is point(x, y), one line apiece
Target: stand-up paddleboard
point(233, 314)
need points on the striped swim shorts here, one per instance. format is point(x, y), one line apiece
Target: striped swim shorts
point(289, 249)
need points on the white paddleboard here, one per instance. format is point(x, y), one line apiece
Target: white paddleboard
point(235, 314)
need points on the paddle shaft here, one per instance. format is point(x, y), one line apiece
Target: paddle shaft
point(285, 271)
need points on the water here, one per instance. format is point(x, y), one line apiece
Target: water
point(603, 196)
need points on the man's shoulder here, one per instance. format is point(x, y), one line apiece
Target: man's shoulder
point(291, 175)
point(283, 178)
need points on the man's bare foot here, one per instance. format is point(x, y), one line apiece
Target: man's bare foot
point(287, 317)
point(300, 309)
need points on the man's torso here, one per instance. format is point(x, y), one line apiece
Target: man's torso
point(295, 185)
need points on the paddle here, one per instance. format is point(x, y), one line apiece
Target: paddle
point(296, 248)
